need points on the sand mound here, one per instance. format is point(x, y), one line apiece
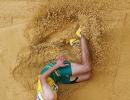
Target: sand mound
point(52, 26)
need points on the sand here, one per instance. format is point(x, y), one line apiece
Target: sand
point(32, 32)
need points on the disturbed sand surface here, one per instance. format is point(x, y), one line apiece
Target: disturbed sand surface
point(32, 32)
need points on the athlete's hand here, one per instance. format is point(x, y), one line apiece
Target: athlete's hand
point(60, 61)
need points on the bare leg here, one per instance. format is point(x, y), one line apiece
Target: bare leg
point(83, 69)
point(82, 77)
point(85, 52)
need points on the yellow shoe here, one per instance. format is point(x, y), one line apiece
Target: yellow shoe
point(78, 33)
point(74, 42)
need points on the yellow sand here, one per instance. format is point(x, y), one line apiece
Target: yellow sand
point(32, 32)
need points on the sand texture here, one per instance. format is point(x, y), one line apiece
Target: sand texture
point(32, 32)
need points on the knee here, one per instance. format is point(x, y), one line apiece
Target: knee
point(88, 76)
point(87, 69)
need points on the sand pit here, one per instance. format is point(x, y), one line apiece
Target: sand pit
point(105, 24)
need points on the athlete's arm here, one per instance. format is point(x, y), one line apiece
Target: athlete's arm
point(49, 71)
point(47, 93)
point(59, 63)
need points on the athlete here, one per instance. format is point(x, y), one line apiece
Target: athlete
point(62, 71)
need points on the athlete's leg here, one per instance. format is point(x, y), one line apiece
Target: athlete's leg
point(85, 66)
point(81, 77)
point(85, 52)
